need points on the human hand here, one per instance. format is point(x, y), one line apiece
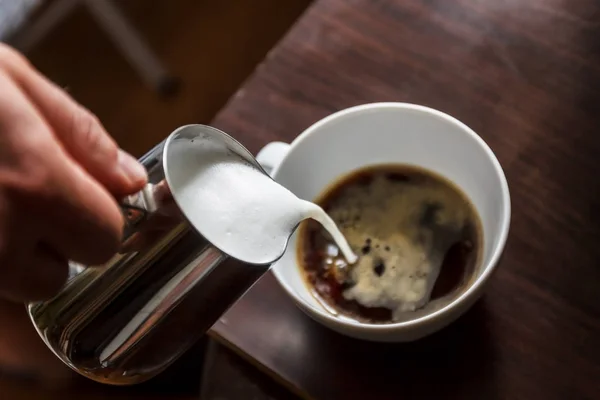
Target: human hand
point(156, 225)
point(60, 173)
point(24, 357)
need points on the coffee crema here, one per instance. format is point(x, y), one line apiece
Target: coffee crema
point(417, 235)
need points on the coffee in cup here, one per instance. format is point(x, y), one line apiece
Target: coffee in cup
point(395, 135)
point(418, 237)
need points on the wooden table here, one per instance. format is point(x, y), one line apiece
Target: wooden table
point(525, 75)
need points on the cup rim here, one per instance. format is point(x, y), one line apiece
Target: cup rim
point(488, 268)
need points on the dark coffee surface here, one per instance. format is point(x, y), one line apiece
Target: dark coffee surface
point(417, 236)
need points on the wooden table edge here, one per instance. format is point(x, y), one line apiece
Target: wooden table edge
point(259, 365)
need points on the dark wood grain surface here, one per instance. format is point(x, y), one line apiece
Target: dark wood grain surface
point(525, 75)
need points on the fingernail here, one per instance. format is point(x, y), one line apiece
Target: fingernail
point(131, 168)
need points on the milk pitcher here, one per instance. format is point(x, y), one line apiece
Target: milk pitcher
point(126, 321)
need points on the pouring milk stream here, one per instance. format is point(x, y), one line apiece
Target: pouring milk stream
point(240, 209)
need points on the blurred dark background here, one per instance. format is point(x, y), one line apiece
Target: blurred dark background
point(206, 47)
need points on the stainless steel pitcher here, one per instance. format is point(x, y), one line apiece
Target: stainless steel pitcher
point(126, 321)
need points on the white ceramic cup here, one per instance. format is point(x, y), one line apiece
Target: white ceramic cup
point(384, 133)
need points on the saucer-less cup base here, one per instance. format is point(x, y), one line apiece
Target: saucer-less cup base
point(384, 133)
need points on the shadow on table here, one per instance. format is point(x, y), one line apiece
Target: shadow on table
point(228, 376)
point(453, 363)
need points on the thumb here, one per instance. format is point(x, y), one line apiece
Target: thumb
point(80, 133)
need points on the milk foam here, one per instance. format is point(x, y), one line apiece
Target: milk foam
point(238, 208)
point(411, 253)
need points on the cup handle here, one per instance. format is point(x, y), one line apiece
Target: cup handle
point(270, 156)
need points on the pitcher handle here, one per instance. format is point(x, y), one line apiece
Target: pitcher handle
point(137, 208)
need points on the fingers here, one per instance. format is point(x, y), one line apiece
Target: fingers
point(49, 274)
point(51, 196)
point(82, 220)
point(80, 132)
point(59, 173)
point(37, 276)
